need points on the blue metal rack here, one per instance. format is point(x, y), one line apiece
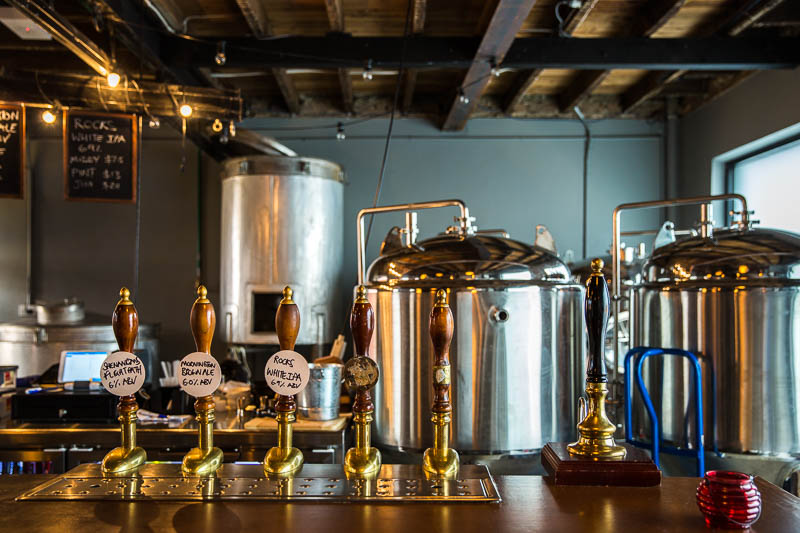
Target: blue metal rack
point(639, 355)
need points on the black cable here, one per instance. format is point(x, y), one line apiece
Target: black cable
point(379, 185)
point(587, 143)
point(137, 232)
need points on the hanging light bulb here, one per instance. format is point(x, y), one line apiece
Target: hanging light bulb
point(462, 98)
point(217, 125)
point(48, 117)
point(223, 138)
point(340, 136)
point(185, 110)
point(367, 73)
point(113, 79)
point(220, 58)
point(154, 123)
point(232, 129)
point(494, 69)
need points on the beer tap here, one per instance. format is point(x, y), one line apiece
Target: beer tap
point(361, 374)
point(205, 459)
point(441, 461)
point(284, 460)
point(129, 456)
point(596, 432)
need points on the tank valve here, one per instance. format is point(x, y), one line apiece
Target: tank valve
point(498, 314)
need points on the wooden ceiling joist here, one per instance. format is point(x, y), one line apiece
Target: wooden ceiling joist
point(652, 84)
point(410, 81)
point(505, 23)
point(256, 17)
point(335, 12)
point(655, 15)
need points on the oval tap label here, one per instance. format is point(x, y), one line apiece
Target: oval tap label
point(286, 372)
point(122, 373)
point(199, 374)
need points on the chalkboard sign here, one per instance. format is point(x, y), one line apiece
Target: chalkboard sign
point(12, 150)
point(100, 156)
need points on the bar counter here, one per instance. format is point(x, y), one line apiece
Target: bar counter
point(529, 503)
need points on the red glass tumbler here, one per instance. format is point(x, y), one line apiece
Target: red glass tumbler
point(728, 499)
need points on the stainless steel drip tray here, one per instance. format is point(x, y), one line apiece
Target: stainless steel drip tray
point(246, 481)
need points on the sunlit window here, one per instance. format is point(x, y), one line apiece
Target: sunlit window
point(770, 181)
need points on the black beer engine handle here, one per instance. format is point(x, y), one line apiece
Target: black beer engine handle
point(596, 314)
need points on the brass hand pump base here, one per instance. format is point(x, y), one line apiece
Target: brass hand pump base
point(283, 460)
point(595, 431)
point(440, 462)
point(362, 461)
point(205, 459)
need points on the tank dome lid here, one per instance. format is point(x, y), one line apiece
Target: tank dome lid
point(282, 166)
point(475, 260)
point(747, 256)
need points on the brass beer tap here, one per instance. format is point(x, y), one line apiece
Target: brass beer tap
point(205, 459)
point(284, 460)
point(129, 456)
point(441, 461)
point(361, 374)
point(596, 431)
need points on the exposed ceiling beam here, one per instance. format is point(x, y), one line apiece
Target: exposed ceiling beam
point(410, 81)
point(335, 11)
point(503, 27)
point(733, 25)
point(422, 52)
point(655, 15)
point(525, 79)
point(256, 17)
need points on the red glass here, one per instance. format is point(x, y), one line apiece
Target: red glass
point(728, 499)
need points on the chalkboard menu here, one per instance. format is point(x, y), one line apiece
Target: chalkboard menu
point(12, 150)
point(100, 156)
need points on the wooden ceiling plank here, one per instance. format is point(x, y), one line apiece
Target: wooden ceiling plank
point(256, 17)
point(347, 90)
point(508, 17)
point(656, 14)
point(527, 78)
point(652, 84)
point(410, 81)
point(335, 11)
point(335, 15)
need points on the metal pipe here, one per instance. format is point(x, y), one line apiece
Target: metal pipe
point(615, 259)
point(635, 233)
point(398, 207)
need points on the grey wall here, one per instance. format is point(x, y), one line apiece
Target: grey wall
point(759, 106)
point(512, 174)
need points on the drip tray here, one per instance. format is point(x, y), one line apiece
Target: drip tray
point(246, 481)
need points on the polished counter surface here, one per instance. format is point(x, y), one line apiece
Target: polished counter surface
point(529, 503)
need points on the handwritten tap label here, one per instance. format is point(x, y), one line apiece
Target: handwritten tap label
point(122, 373)
point(199, 374)
point(286, 372)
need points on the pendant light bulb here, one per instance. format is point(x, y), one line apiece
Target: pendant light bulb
point(232, 129)
point(112, 79)
point(462, 98)
point(185, 110)
point(340, 136)
point(217, 125)
point(366, 74)
point(48, 117)
point(220, 59)
point(154, 123)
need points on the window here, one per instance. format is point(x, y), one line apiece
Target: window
point(770, 180)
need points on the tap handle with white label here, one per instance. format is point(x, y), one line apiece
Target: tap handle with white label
point(441, 331)
point(202, 321)
point(287, 320)
point(125, 321)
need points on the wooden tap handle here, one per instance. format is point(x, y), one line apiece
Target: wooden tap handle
point(125, 321)
point(441, 331)
point(362, 322)
point(596, 316)
point(287, 320)
point(202, 320)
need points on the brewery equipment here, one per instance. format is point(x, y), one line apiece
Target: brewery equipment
point(281, 225)
point(518, 346)
point(35, 345)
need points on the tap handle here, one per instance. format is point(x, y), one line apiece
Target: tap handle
point(287, 320)
point(441, 331)
point(125, 321)
point(202, 321)
point(362, 322)
point(596, 316)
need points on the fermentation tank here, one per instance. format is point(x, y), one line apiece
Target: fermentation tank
point(281, 225)
point(731, 296)
point(517, 352)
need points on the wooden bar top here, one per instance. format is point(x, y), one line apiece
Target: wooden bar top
point(530, 503)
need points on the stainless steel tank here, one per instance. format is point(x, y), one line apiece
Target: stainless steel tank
point(281, 225)
point(517, 352)
point(35, 347)
point(732, 297)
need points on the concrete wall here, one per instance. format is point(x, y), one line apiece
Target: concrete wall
point(760, 106)
point(512, 174)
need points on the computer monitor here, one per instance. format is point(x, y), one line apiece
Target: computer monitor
point(80, 366)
